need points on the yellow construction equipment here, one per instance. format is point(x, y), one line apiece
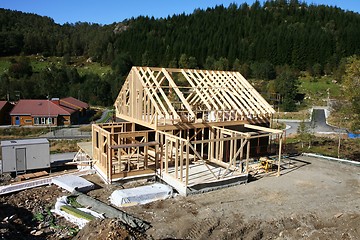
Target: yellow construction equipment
point(266, 163)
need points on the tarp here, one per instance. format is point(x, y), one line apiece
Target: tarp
point(80, 222)
point(111, 212)
point(354, 135)
point(140, 195)
point(72, 182)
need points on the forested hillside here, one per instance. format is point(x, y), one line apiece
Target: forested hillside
point(258, 40)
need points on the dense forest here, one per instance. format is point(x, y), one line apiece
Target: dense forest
point(270, 41)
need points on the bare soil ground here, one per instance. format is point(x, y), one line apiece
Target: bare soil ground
point(312, 199)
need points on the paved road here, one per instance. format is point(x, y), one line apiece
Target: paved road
point(60, 158)
point(103, 116)
point(317, 124)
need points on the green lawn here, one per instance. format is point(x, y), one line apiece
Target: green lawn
point(316, 90)
point(94, 68)
point(39, 63)
point(4, 65)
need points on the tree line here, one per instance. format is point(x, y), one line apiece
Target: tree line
point(259, 40)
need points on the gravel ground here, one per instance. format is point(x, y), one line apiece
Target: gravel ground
point(312, 199)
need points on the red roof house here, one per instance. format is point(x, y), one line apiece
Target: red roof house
point(74, 103)
point(5, 108)
point(40, 112)
point(54, 112)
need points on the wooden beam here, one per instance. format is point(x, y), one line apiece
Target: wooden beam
point(178, 92)
point(265, 129)
point(256, 95)
point(196, 89)
point(148, 92)
point(131, 145)
point(160, 89)
point(204, 94)
point(280, 151)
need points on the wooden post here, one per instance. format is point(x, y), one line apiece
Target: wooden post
point(176, 158)
point(187, 162)
point(247, 156)
point(217, 146)
point(202, 139)
point(146, 149)
point(211, 144)
point(231, 154)
point(280, 149)
point(166, 154)
point(157, 135)
point(241, 153)
point(181, 160)
point(196, 133)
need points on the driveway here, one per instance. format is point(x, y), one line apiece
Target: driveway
point(317, 124)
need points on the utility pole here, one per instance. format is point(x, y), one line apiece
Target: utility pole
point(339, 142)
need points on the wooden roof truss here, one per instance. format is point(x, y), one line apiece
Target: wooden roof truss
point(166, 96)
point(200, 121)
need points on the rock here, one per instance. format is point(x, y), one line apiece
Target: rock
point(38, 233)
point(338, 215)
point(41, 225)
point(13, 217)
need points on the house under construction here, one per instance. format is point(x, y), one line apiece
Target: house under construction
point(195, 129)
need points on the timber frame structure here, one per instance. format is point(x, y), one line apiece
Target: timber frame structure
point(194, 128)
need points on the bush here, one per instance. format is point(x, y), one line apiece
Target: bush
point(96, 116)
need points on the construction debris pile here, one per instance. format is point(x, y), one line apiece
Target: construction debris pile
point(52, 212)
point(26, 214)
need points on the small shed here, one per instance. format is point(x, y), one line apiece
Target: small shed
point(26, 154)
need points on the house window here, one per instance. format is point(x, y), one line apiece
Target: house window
point(44, 120)
point(28, 121)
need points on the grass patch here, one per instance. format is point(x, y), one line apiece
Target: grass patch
point(327, 146)
point(108, 116)
point(40, 63)
point(316, 90)
point(96, 116)
point(87, 128)
point(63, 146)
point(94, 68)
point(278, 125)
point(4, 65)
point(22, 132)
point(299, 115)
point(72, 201)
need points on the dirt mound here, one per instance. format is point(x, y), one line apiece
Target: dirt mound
point(26, 215)
point(108, 229)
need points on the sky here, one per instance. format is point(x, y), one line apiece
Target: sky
point(109, 11)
